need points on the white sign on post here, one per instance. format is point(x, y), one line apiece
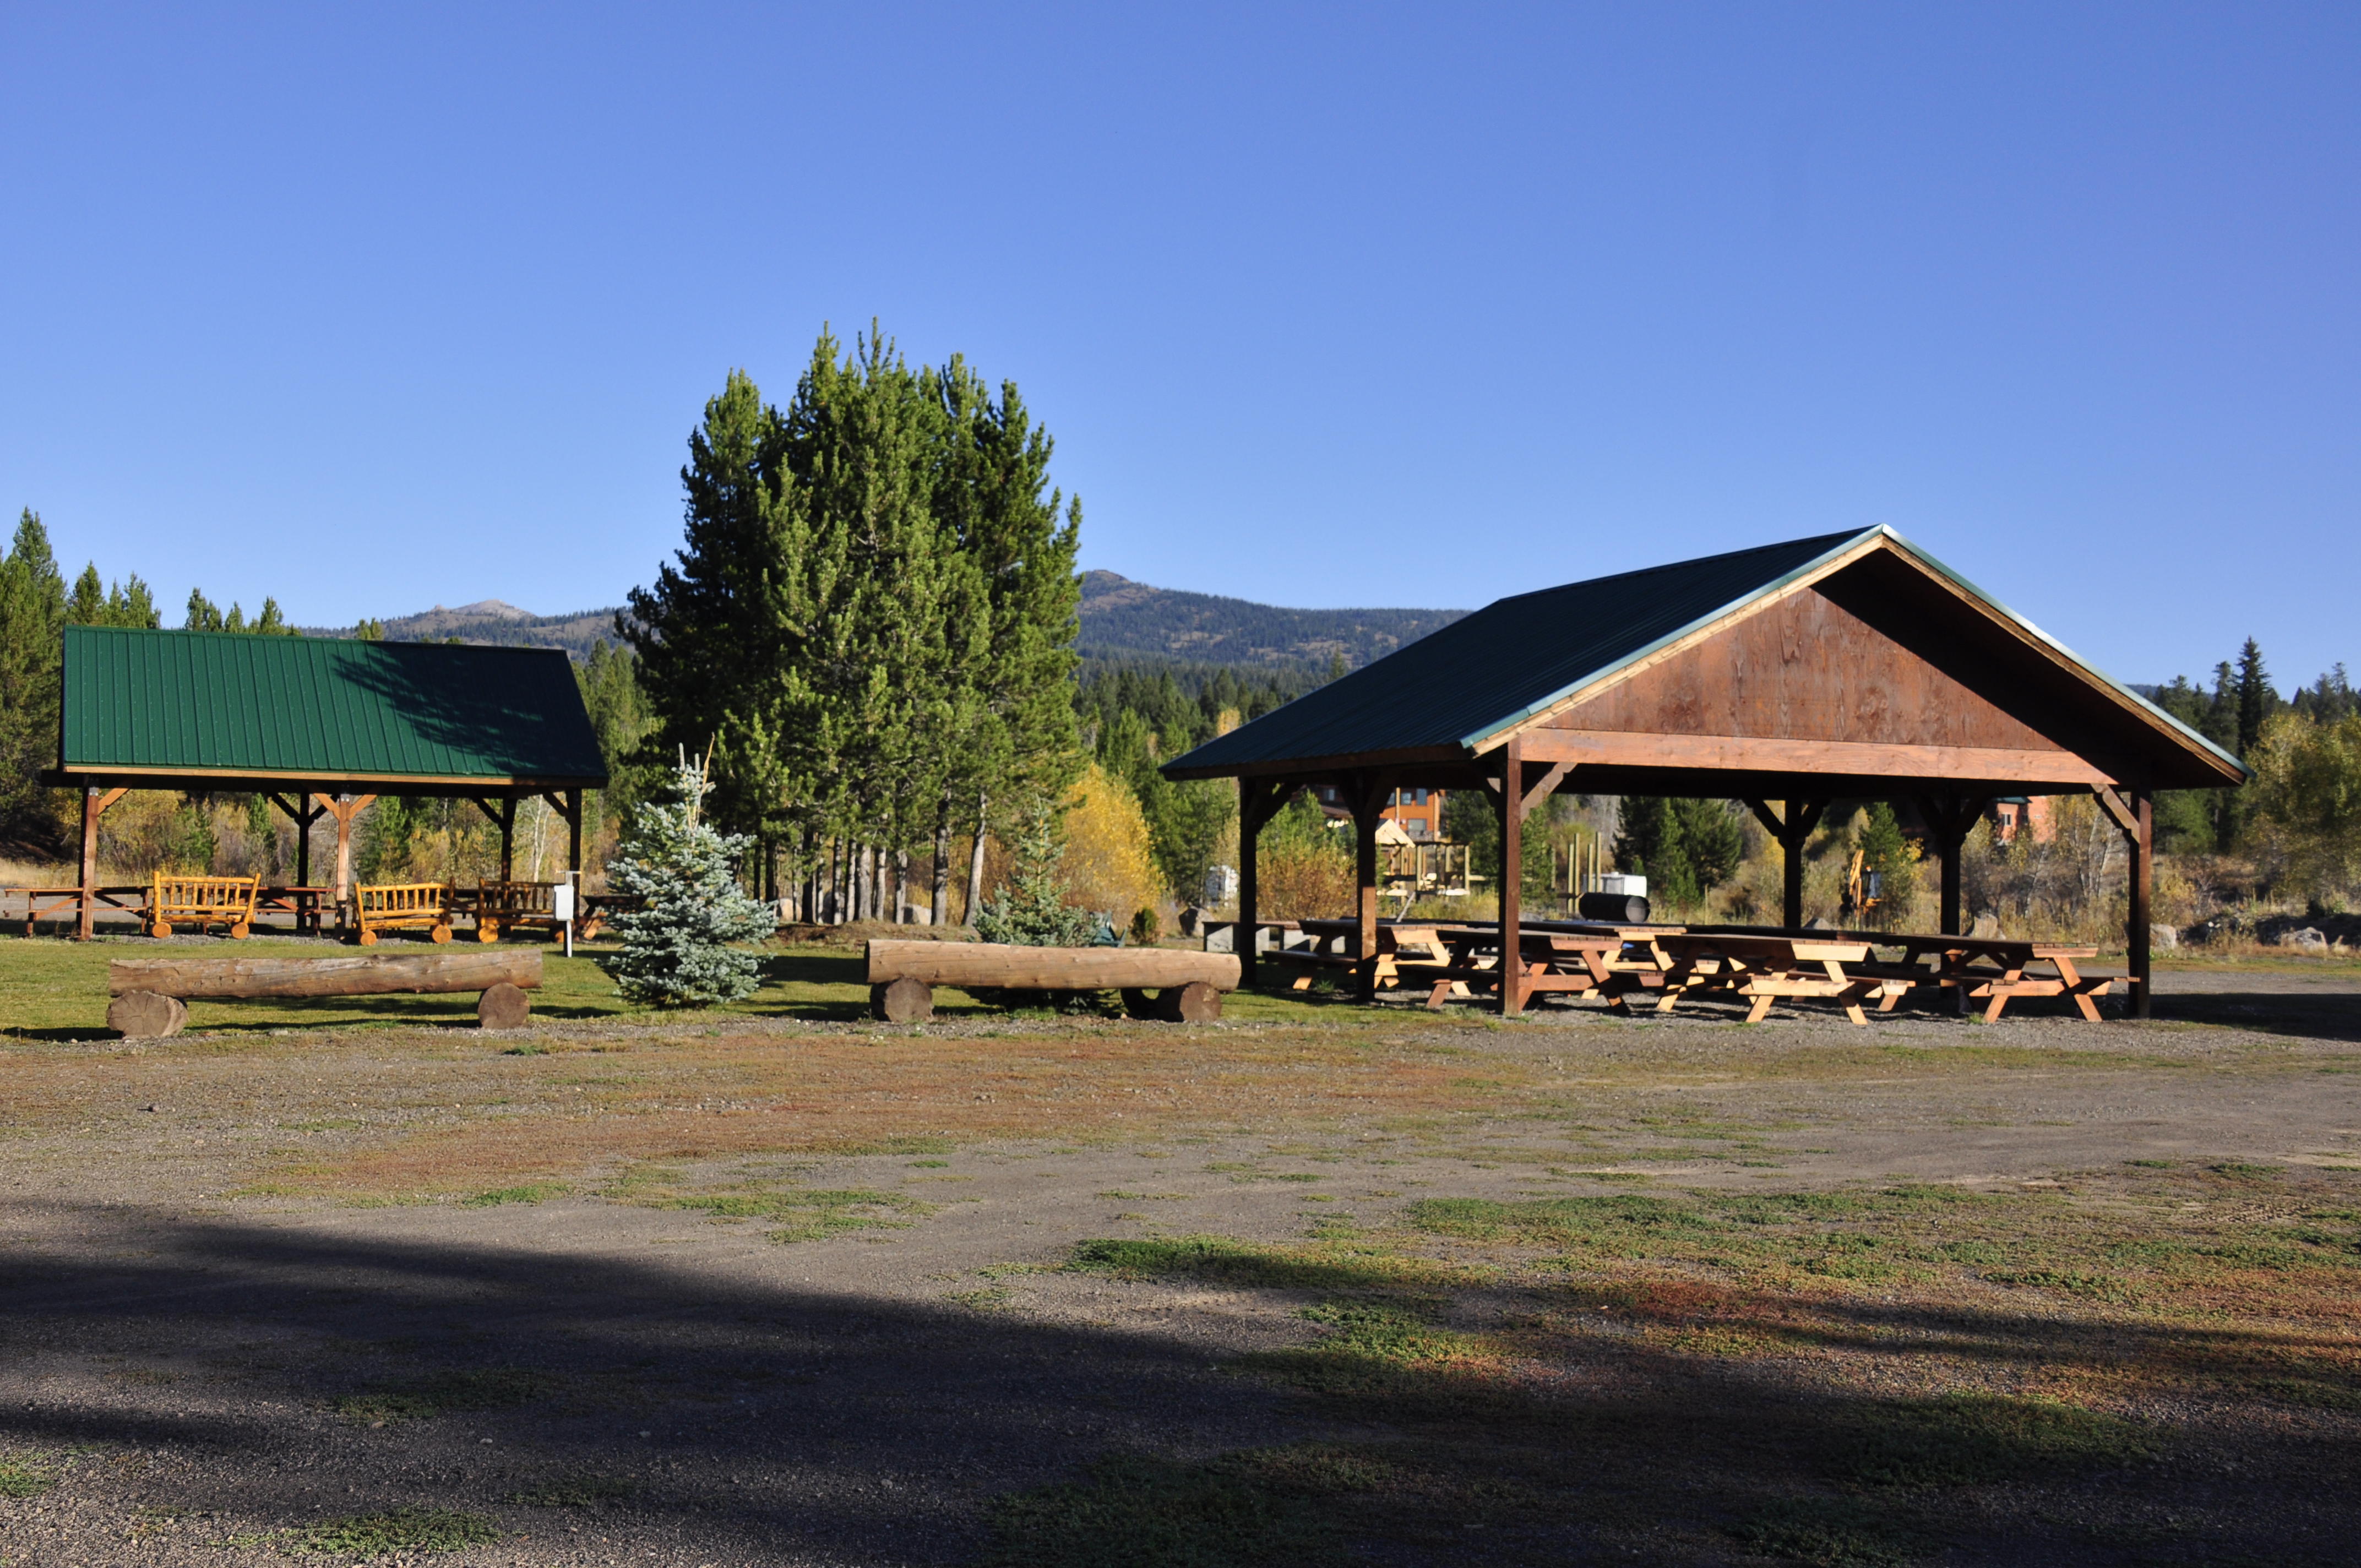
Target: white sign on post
point(561, 904)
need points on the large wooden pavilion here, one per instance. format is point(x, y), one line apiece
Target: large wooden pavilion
point(1850, 665)
point(320, 727)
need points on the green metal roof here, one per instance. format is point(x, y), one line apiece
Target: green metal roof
point(202, 702)
point(1455, 691)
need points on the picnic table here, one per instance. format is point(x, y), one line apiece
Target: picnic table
point(1762, 967)
point(1574, 958)
point(1989, 969)
point(65, 902)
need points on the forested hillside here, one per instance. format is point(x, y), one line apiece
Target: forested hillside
point(1120, 616)
point(1122, 621)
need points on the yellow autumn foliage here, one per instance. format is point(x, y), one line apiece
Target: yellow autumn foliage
point(1107, 865)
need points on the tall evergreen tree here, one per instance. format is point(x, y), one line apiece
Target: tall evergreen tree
point(32, 613)
point(1014, 696)
point(2256, 701)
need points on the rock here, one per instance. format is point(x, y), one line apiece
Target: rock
point(144, 1015)
point(2163, 938)
point(1986, 927)
point(503, 1007)
point(905, 1001)
point(2306, 938)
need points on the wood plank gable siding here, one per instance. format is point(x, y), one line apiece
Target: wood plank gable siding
point(1803, 684)
point(1805, 669)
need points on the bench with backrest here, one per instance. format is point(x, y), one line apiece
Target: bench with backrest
point(201, 901)
point(524, 905)
point(403, 907)
point(150, 995)
point(1156, 982)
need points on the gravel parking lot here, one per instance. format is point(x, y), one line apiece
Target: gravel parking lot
point(1361, 1285)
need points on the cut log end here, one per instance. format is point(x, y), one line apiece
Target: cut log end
point(902, 1000)
point(503, 1007)
point(144, 1016)
point(1195, 1003)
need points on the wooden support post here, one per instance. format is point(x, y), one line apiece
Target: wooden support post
point(508, 837)
point(94, 802)
point(1369, 794)
point(1950, 819)
point(1512, 879)
point(1791, 831)
point(299, 810)
point(344, 808)
point(2143, 888)
point(1259, 801)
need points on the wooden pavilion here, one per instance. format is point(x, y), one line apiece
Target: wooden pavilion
point(1850, 665)
point(320, 727)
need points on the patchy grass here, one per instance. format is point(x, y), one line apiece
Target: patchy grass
point(531, 1193)
point(572, 1492)
point(1830, 1533)
point(422, 1398)
point(1241, 1509)
point(807, 1213)
point(1967, 1440)
point(26, 1476)
point(396, 1530)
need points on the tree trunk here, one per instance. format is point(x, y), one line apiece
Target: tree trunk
point(975, 860)
point(901, 887)
point(940, 909)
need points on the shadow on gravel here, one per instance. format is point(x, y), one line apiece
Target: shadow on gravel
point(2327, 1016)
point(574, 1400)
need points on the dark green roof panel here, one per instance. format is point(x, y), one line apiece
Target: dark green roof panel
point(1489, 669)
point(220, 702)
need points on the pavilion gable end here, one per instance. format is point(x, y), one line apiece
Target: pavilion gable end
point(1803, 668)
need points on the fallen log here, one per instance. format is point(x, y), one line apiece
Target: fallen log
point(346, 974)
point(965, 964)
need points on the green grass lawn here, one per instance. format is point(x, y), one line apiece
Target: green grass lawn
point(53, 990)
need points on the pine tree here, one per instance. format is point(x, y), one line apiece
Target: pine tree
point(677, 949)
point(1033, 913)
point(32, 613)
point(1885, 852)
point(2256, 701)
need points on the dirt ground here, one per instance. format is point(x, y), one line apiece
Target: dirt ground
point(1330, 1284)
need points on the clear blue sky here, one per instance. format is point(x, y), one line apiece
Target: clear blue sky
point(370, 308)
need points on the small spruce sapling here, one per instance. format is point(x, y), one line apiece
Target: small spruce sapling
point(1033, 913)
point(677, 945)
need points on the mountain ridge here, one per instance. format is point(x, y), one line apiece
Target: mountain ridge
point(1122, 620)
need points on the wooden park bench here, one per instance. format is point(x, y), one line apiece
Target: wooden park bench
point(150, 995)
point(201, 901)
point(1189, 986)
point(403, 907)
point(524, 905)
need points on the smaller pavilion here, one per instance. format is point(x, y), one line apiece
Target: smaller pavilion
point(320, 727)
point(1845, 666)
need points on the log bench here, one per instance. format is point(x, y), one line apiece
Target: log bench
point(150, 995)
point(1188, 986)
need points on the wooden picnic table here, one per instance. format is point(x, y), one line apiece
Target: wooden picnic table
point(65, 902)
point(1570, 958)
point(1764, 968)
point(1990, 969)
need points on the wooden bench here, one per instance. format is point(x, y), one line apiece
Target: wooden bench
point(150, 995)
point(526, 905)
point(1189, 986)
point(200, 900)
point(403, 907)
